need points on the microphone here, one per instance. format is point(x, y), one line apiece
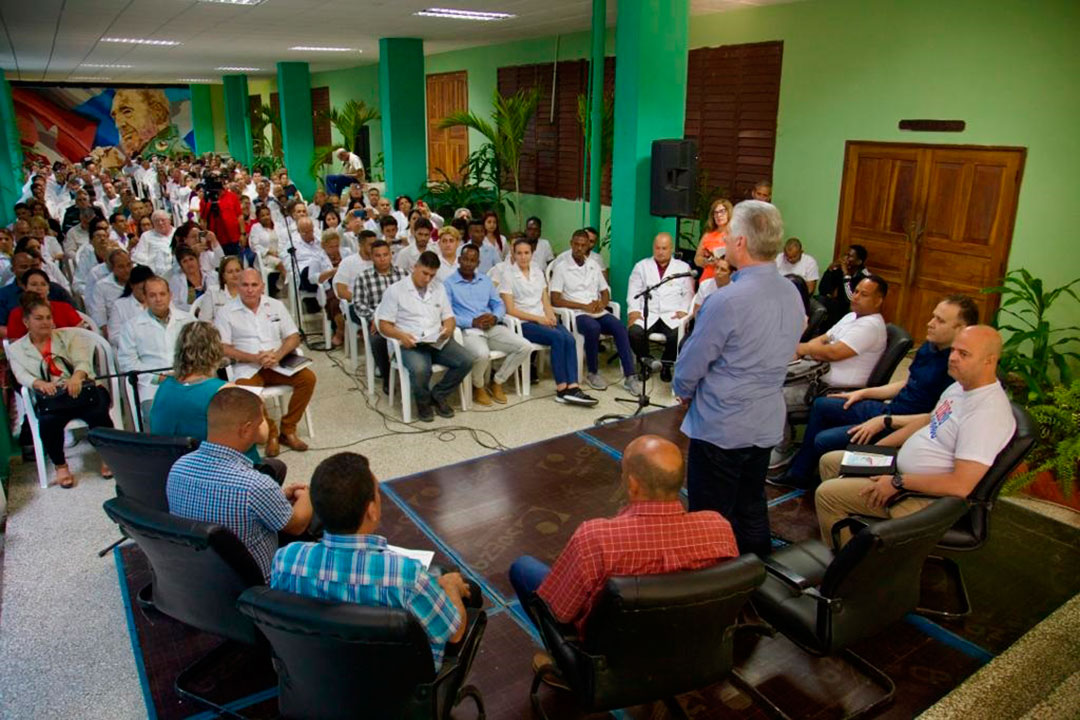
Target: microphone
point(691, 274)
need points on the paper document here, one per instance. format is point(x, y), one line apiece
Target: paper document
point(434, 338)
point(291, 364)
point(424, 557)
point(866, 460)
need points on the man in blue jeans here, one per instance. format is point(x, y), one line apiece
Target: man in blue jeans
point(579, 284)
point(417, 313)
point(863, 415)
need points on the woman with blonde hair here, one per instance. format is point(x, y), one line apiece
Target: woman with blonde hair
point(714, 237)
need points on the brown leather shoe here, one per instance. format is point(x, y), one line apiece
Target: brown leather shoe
point(496, 392)
point(273, 447)
point(293, 441)
point(481, 397)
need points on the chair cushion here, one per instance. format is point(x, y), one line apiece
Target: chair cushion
point(792, 613)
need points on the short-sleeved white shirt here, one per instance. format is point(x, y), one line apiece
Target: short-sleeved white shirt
point(594, 256)
point(578, 283)
point(253, 331)
point(349, 269)
point(412, 312)
point(806, 268)
point(528, 292)
point(965, 425)
point(705, 289)
point(446, 268)
point(866, 336)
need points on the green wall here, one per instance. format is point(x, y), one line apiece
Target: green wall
point(358, 83)
point(217, 103)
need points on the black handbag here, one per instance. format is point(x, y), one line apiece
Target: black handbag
point(91, 397)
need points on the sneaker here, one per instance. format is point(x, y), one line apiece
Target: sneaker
point(632, 385)
point(443, 408)
point(424, 413)
point(575, 396)
point(480, 396)
point(596, 381)
point(497, 393)
point(781, 457)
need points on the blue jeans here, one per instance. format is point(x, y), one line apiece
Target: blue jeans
point(526, 575)
point(827, 431)
point(418, 361)
point(336, 183)
point(563, 349)
point(591, 328)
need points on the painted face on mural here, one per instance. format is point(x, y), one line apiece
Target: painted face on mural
point(139, 116)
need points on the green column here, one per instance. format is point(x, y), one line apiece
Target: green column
point(596, 111)
point(401, 103)
point(237, 120)
point(202, 118)
point(650, 104)
point(297, 129)
point(10, 155)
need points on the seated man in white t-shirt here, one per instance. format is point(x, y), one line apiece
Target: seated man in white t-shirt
point(351, 267)
point(943, 453)
point(853, 346)
point(408, 256)
point(793, 261)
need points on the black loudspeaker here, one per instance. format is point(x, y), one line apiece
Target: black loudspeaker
point(674, 178)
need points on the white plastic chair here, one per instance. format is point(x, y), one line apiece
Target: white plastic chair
point(524, 371)
point(203, 303)
point(569, 321)
point(90, 324)
point(397, 371)
point(354, 350)
point(281, 393)
point(104, 364)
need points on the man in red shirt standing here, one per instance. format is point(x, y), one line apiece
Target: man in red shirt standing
point(225, 220)
point(654, 534)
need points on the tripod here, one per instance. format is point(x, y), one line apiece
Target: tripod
point(294, 286)
point(644, 367)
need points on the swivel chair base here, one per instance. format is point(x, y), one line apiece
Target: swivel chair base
point(198, 681)
point(955, 579)
point(674, 709)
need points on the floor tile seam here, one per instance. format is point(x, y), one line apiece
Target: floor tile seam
point(133, 637)
point(598, 443)
point(948, 637)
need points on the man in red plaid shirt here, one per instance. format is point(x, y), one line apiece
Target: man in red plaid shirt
point(654, 534)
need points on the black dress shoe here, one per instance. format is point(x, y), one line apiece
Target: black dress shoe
point(665, 373)
point(443, 408)
point(424, 413)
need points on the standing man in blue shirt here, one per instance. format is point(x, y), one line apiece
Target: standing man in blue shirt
point(731, 374)
point(478, 311)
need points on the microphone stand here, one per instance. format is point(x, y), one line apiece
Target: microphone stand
point(294, 283)
point(642, 400)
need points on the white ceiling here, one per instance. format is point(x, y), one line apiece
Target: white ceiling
point(54, 40)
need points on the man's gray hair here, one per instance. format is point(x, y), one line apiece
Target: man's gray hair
point(160, 214)
point(760, 223)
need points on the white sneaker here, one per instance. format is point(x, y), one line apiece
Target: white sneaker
point(632, 385)
point(596, 381)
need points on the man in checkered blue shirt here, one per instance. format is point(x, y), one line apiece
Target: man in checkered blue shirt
point(352, 564)
point(217, 483)
point(368, 291)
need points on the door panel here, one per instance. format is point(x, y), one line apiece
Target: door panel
point(935, 220)
point(447, 149)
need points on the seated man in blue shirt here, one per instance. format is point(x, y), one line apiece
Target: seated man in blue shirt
point(863, 415)
point(478, 311)
point(352, 564)
point(217, 483)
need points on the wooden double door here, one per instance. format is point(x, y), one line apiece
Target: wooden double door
point(935, 220)
point(447, 148)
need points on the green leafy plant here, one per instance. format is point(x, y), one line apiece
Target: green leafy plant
point(348, 120)
point(264, 118)
point(321, 158)
point(1057, 448)
point(448, 194)
point(377, 171)
point(267, 163)
point(690, 232)
point(1035, 356)
point(510, 116)
point(607, 126)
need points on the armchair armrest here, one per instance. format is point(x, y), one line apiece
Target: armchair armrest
point(793, 580)
point(855, 524)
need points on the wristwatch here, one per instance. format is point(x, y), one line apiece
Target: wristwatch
point(888, 421)
point(898, 481)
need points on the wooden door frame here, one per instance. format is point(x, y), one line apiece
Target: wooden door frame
point(1010, 223)
point(427, 137)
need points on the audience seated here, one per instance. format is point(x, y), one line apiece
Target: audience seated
point(490, 256)
point(21, 261)
point(839, 282)
point(542, 252)
point(154, 248)
point(493, 236)
point(594, 238)
point(368, 290)
point(109, 288)
point(714, 239)
point(793, 261)
point(944, 452)
point(669, 304)
point(351, 563)
point(132, 301)
point(35, 285)
point(53, 364)
point(580, 286)
point(87, 259)
point(478, 311)
point(449, 244)
point(352, 266)
point(190, 282)
point(524, 291)
point(227, 288)
point(218, 484)
point(203, 243)
point(258, 333)
point(417, 313)
point(853, 345)
point(654, 534)
point(148, 340)
point(862, 416)
point(407, 258)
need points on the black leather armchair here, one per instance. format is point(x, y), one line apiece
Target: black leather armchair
point(199, 570)
point(825, 602)
point(343, 660)
point(650, 638)
point(141, 463)
point(815, 320)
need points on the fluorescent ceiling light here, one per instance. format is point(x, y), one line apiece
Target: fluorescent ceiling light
point(317, 48)
point(231, 68)
point(234, 2)
point(464, 14)
point(195, 80)
point(139, 41)
point(111, 66)
point(90, 78)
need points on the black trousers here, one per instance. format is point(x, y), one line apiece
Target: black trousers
point(732, 482)
point(51, 426)
point(639, 340)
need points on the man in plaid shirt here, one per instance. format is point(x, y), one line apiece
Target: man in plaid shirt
point(367, 293)
point(352, 564)
point(654, 534)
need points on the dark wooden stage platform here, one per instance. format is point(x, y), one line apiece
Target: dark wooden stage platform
point(481, 514)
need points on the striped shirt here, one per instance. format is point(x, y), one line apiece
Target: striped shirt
point(216, 484)
point(359, 569)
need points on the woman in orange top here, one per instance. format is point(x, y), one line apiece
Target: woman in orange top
point(715, 237)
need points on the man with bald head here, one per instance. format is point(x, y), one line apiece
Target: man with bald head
point(942, 453)
point(668, 305)
point(654, 534)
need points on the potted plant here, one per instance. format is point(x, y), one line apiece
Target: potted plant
point(1052, 469)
